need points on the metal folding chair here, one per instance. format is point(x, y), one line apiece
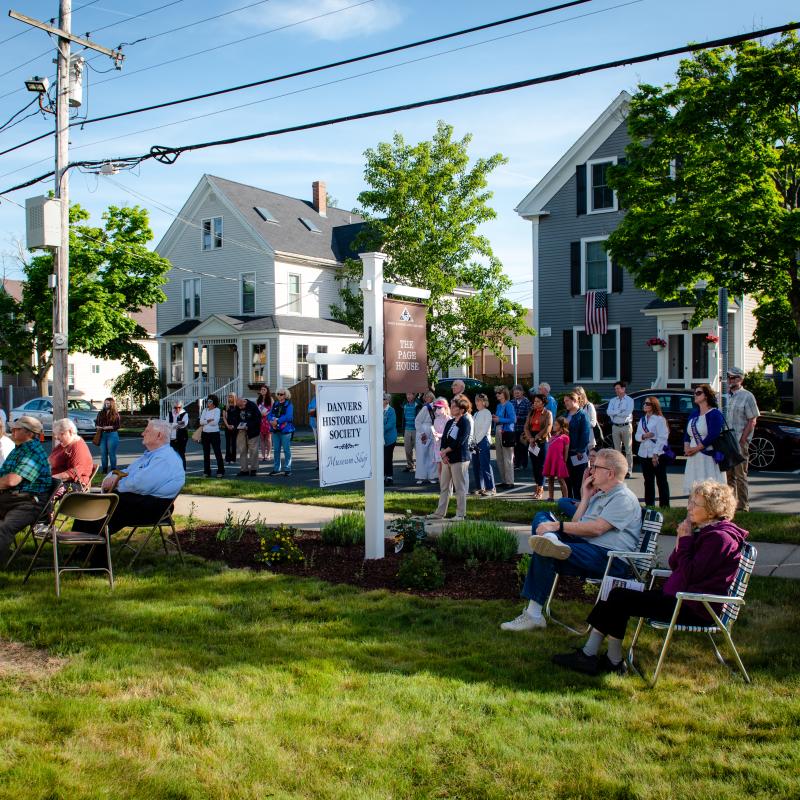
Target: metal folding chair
point(640, 562)
point(43, 518)
point(164, 521)
point(722, 622)
point(83, 507)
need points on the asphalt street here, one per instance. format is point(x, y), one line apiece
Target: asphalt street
point(769, 491)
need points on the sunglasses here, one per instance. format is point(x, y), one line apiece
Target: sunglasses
point(698, 392)
point(646, 403)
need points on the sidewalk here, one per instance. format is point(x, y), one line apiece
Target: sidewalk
point(777, 560)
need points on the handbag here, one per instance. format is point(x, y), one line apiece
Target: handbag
point(599, 439)
point(98, 435)
point(197, 436)
point(507, 439)
point(727, 453)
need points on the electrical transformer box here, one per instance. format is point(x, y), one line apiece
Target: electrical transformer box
point(42, 222)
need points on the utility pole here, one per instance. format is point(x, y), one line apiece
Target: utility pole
point(60, 345)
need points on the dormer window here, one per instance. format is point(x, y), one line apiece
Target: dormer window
point(212, 233)
point(265, 214)
point(310, 225)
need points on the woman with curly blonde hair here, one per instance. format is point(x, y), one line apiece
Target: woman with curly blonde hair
point(705, 560)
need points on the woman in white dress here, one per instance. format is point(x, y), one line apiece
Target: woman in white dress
point(591, 414)
point(427, 470)
point(703, 429)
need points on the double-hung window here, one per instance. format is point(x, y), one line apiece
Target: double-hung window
point(212, 233)
point(322, 369)
point(259, 358)
point(596, 265)
point(597, 356)
point(191, 298)
point(176, 362)
point(302, 361)
point(294, 305)
point(248, 287)
point(601, 197)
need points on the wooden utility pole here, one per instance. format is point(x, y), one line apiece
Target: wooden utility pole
point(60, 346)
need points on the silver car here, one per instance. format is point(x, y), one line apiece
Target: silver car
point(81, 412)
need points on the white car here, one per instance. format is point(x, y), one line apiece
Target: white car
point(81, 412)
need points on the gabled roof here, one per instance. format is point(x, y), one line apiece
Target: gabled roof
point(14, 288)
point(534, 202)
point(269, 322)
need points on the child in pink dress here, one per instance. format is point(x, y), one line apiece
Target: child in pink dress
point(555, 462)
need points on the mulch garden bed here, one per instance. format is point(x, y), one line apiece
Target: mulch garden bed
point(485, 581)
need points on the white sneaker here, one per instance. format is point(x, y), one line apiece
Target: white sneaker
point(434, 517)
point(524, 622)
point(546, 547)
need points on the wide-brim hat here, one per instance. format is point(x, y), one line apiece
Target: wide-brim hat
point(28, 423)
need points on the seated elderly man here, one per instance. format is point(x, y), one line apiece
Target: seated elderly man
point(147, 486)
point(25, 482)
point(608, 517)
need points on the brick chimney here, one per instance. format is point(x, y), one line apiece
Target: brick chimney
point(319, 198)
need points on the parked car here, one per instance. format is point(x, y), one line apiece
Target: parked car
point(776, 441)
point(81, 412)
point(445, 385)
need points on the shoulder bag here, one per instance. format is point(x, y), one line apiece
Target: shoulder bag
point(727, 453)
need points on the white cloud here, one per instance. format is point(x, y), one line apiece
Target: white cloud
point(334, 19)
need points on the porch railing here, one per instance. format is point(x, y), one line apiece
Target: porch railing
point(198, 390)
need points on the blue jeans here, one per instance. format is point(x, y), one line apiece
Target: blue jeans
point(108, 450)
point(282, 443)
point(482, 466)
point(586, 560)
point(567, 506)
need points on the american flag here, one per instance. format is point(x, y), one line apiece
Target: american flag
point(596, 312)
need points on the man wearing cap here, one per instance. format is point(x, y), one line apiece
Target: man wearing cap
point(25, 481)
point(741, 412)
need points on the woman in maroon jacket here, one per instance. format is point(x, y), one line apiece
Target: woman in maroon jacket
point(705, 560)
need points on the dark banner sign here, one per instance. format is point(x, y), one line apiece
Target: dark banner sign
point(405, 346)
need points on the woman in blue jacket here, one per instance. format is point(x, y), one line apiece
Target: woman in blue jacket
point(580, 434)
point(389, 439)
point(505, 418)
point(281, 421)
point(704, 427)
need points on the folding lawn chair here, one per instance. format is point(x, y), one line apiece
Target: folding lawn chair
point(164, 521)
point(83, 507)
point(640, 562)
point(42, 519)
point(722, 622)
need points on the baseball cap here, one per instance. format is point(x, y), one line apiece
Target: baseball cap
point(28, 423)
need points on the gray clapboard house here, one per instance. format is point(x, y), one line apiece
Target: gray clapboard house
point(572, 211)
point(250, 290)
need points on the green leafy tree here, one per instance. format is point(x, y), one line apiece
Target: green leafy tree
point(712, 187)
point(142, 385)
point(423, 209)
point(112, 274)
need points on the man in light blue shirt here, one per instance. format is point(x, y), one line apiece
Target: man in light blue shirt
point(620, 412)
point(550, 401)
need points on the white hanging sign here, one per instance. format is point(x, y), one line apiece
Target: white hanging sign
point(343, 432)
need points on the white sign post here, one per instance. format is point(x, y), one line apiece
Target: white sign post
point(372, 289)
point(343, 432)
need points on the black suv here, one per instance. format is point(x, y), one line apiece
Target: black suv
point(776, 441)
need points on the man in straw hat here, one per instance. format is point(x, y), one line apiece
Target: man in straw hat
point(25, 481)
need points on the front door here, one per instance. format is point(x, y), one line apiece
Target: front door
point(688, 359)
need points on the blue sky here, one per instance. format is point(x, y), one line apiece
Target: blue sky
point(531, 127)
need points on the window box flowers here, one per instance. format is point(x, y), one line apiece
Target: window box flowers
point(656, 344)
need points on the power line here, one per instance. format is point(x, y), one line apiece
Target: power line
point(14, 116)
point(168, 155)
point(135, 16)
point(30, 30)
point(319, 68)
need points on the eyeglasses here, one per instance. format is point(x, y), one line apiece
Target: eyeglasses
point(698, 392)
point(603, 466)
point(646, 403)
point(734, 377)
point(281, 394)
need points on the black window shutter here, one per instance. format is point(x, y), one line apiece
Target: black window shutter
point(580, 187)
point(568, 356)
point(574, 268)
point(625, 355)
point(616, 277)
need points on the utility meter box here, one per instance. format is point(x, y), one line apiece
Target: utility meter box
point(42, 222)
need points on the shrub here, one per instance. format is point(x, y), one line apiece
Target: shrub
point(763, 388)
point(344, 530)
point(277, 545)
point(523, 565)
point(408, 532)
point(421, 569)
point(486, 541)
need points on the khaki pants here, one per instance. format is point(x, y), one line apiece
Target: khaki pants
point(505, 461)
point(248, 452)
point(409, 439)
point(737, 480)
point(622, 435)
point(458, 475)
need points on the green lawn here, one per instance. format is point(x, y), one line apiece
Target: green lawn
point(206, 682)
point(763, 526)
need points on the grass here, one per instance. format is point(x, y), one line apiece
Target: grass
point(763, 526)
point(206, 682)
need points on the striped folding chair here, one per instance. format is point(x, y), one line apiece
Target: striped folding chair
point(639, 562)
point(722, 622)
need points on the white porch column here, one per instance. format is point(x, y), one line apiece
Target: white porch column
point(242, 377)
point(372, 289)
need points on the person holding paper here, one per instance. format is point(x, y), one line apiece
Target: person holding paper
point(579, 437)
point(705, 560)
point(608, 517)
point(536, 435)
